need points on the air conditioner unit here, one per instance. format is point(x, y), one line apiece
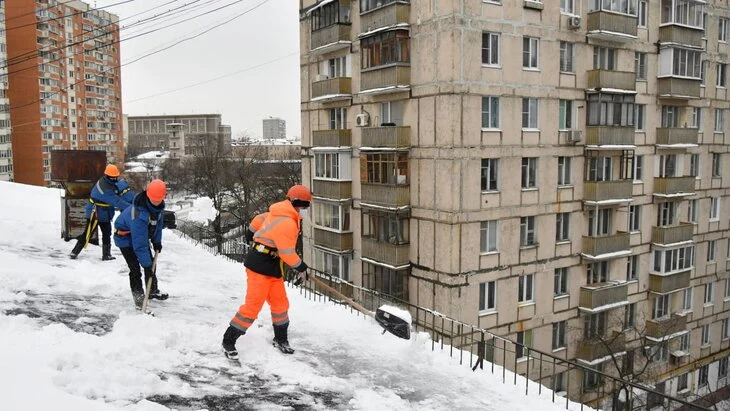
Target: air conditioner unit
point(678, 358)
point(362, 120)
point(574, 22)
point(574, 136)
point(320, 77)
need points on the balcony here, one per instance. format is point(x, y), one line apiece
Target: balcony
point(682, 35)
point(332, 138)
point(391, 78)
point(610, 136)
point(333, 240)
point(595, 296)
point(386, 195)
point(384, 252)
point(616, 191)
point(612, 26)
point(607, 246)
point(386, 16)
point(674, 186)
point(593, 349)
point(664, 284)
point(332, 189)
point(332, 38)
point(387, 136)
point(672, 234)
point(611, 79)
point(676, 137)
point(659, 328)
point(338, 88)
point(678, 88)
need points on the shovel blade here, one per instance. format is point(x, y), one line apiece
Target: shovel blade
point(393, 324)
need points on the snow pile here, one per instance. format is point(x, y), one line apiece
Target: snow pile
point(202, 211)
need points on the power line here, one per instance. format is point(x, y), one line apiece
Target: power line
point(56, 18)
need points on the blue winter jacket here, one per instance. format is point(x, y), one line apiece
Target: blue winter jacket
point(137, 225)
point(125, 191)
point(106, 196)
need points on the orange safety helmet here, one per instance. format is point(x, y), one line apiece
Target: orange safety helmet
point(111, 170)
point(156, 190)
point(299, 192)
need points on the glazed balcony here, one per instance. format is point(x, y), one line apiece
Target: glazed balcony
point(384, 252)
point(618, 244)
point(592, 349)
point(331, 38)
point(393, 13)
point(386, 136)
point(332, 89)
point(604, 191)
point(337, 190)
point(678, 88)
point(663, 327)
point(610, 136)
point(672, 234)
point(664, 284)
point(686, 36)
point(332, 138)
point(674, 186)
point(390, 76)
point(595, 296)
point(333, 240)
point(386, 195)
point(676, 136)
point(612, 26)
point(611, 79)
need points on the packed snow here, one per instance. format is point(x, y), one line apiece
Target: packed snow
point(70, 338)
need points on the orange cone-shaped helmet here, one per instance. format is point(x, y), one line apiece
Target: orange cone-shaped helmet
point(156, 190)
point(111, 170)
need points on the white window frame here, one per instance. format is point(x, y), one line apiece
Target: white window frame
point(705, 335)
point(714, 208)
point(332, 165)
point(711, 251)
point(528, 231)
point(694, 165)
point(567, 7)
point(640, 63)
point(560, 281)
point(325, 262)
point(567, 57)
point(642, 13)
point(566, 114)
point(716, 165)
point(489, 170)
point(564, 171)
point(529, 173)
point(530, 53)
point(487, 297)
point(687, 299)
point(632, 268)
point(660, 308)
point(562, 227)
point(526, 289)
point(719, 120)
point(721, 79)
point(493, 58)
point(722, 29)
point(634, 218)
point(530, 113)
point(489, 236)
point(709, 297)
point(639, 117)
point(558, 335)
point(490, 112)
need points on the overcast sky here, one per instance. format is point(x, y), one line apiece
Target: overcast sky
point(269, 32)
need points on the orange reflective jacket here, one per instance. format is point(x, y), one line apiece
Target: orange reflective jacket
point(275, 240)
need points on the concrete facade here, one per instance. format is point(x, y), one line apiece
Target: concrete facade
point(182, 134)
point(6, 149)
point(273, 128)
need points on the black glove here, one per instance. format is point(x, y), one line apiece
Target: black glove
point(302, 275)
point(249, 235)
point(157, 247)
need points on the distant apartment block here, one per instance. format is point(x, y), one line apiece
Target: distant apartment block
point(6, 149)
point(181, 134)
point(274, 128)
point(63, 80)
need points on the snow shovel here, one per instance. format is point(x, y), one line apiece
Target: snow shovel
point(390, 321)
point(149, 285)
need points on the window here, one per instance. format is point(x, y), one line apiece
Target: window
point(666, 213)
point(593, 380)
point(526, 289)
point(558, 335)
point(559, 382)
point(674, 61)
point(488, 236)
point(594, 325)
point(635, 218)
point(639, 116)
point(488, 296)
point(599, 222)
point(670, 116)
point(714, 208)
point(490, 112)
point(711, 246)
point(625, 7)
point(338, 118)
point(610, 109)
point(703, 73)
point(684, 342)
point(629, 316)
point(727, 286)
point(385, 48)
point(530, 52)
point(597, 272)
point(705, 339)
point(715, 164)
point(632, 268)
point(638, 168)
point(566, 57)
point(661, 307)
point(719, 120)
point(668, 165)
point(567, 6)
point(527, 231)
point(490, 174)
point(600, 169)
point(529, 172)
point(524, 343)
point(566, 115)
point(702, 374)
point(529, 113)
point(721, 75)
point(640, 65)
point(604, 58)
point(694, 165)
point(385, 280)
point(696, 118)
point(709, 293)
point(385, 168)
point(334, 165)
point(722, 29)
point(337, 67)
point(687, 299)
point(692, 211)
point(643, 13)
point(337, 265)
point(331, 215)
point(562, 227)
point(490, 49)
point(564, 171)
point(725, 335)
point(560, 281)
point(673, 260)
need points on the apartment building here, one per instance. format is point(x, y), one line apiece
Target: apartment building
point(6, 150)
point(63, 72)
point(274, 128)
point(554, 172)
point(181, 134)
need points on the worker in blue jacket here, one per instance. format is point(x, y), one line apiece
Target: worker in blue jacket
point(106, 197)
point(125, 191)
point(134, 229)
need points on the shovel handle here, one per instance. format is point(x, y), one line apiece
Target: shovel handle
point(347, 299)
point(149, 285)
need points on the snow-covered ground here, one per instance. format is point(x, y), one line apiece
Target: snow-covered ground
point(71, 340)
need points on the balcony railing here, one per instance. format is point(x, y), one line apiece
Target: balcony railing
point(384, 77)
point(384, 252)
point(674, 185)
point(676, 136)
point(612, 26)
point(624, 80)
point(385, 16)
point(336, 35)
point(672, 234)
point(592, 349)
point(333, 240)
point(610, 136)
point(332, 189)
point(664, 284)
point(683, 35)
point(597, 246)
point(595, 296)
point(332, 138)
point(387, 136)
point(666, 326)
point(678, 88)
point(607, 190)
point(386, 195)
point(338, 86)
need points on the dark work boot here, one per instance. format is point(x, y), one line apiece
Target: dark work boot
point(77, 249)
point(106, 253)
point(138, 299)
point(280, 339)
point(229, 342)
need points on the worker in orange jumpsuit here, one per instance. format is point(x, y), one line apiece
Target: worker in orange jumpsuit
point(275, 236)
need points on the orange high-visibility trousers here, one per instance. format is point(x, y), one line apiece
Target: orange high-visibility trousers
point(259, 289)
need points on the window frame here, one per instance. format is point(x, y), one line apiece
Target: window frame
point(530, 53)
point(558, 335)
point(487, 50)
point(487, 297)
point(529, 173)
point(562, 227)
point(528, 231)
point(526, 289)
point(560, 281)
point(490, 113)
point(487, 230)
point(489, 175)
point(564, 171)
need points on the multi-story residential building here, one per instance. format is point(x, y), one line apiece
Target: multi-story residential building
point(63, 71)
point(181, 134)
point(6, 149)
point(553, 172)
point(274, 128)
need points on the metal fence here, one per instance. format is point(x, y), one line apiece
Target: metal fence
point(545, 374)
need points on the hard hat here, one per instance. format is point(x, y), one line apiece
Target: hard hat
point(156, 190)
point(299, 192)
point(111, 170)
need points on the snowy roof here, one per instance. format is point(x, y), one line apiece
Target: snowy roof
point(386, 28)
point(136, 169)
point(151, 155)
point(607, 255)
point(402, 87)
point(331, 97)
point(318, 5)
point(610, 90)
